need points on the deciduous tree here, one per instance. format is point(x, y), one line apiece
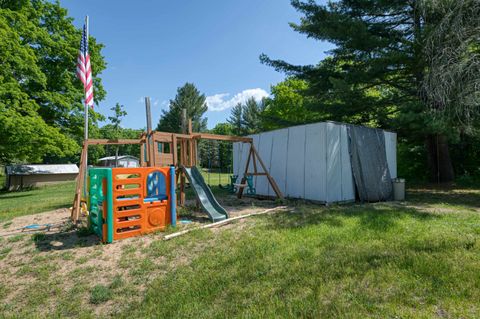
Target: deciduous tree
point(41, 110)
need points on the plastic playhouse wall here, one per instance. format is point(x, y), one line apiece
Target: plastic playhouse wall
point(127, 202)
point(308, 161)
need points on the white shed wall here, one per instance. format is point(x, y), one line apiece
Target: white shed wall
point(308, 161)
point(315, 162)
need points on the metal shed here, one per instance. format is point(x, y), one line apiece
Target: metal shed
point(314, 161)
point(26, 175)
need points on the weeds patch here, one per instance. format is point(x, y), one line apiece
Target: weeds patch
point(100, 294)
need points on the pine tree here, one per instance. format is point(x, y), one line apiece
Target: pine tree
point(376, 72)
point(188, 97)
point(251, 116)
point(235, 119)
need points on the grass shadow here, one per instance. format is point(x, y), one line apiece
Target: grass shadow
point(14, 195)
point(193, 214)
point(64, 240)
point(373, 217)
point(444, 194)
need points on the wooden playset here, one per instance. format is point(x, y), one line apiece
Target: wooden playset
point(126, 202)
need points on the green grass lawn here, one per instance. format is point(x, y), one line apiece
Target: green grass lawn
point(418, 259)
point(381, 261)
point(37, 200)
point(214, 178)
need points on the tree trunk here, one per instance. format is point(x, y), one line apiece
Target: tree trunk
point(439, 161)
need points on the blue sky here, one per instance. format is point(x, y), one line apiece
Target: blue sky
point(153, 47)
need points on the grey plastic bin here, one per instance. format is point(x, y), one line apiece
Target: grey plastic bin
point(398, 189)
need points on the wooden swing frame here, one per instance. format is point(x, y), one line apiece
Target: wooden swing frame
point(183, 152)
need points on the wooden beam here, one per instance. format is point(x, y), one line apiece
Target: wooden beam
point(206, 136)
point(114, 142)
point(218, 137)
point(178, 135)
point(167, 138)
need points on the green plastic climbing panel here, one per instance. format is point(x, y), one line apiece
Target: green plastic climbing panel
point(101, 198)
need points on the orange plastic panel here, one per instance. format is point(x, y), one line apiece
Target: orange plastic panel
point(132, 216)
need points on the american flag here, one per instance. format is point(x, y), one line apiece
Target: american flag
point(84, 69)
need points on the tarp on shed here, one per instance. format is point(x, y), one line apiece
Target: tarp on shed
point(369, 163)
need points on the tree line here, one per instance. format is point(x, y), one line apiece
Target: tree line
point(408, 66)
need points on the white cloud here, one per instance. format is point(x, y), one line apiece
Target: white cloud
point(155, 102)
point(220, 102)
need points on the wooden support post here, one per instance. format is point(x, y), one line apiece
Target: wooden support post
point(244, 177)
point(185, 159)
point(75, 214)
point(253, 155)
point(195, 152)
point(190, 149)
point(142, 155)
point(174, 149)
point(254, 161)
point(182, 189)
point(149, 142)
point(190, 143)
point(272, 182)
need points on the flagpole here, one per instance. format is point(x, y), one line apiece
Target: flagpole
point(86, 126)
point(86, 106)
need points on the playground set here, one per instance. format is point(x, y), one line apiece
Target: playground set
point(127, 202)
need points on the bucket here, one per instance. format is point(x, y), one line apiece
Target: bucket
point(398, 189)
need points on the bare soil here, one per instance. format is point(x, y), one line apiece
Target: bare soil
point(66, 262)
